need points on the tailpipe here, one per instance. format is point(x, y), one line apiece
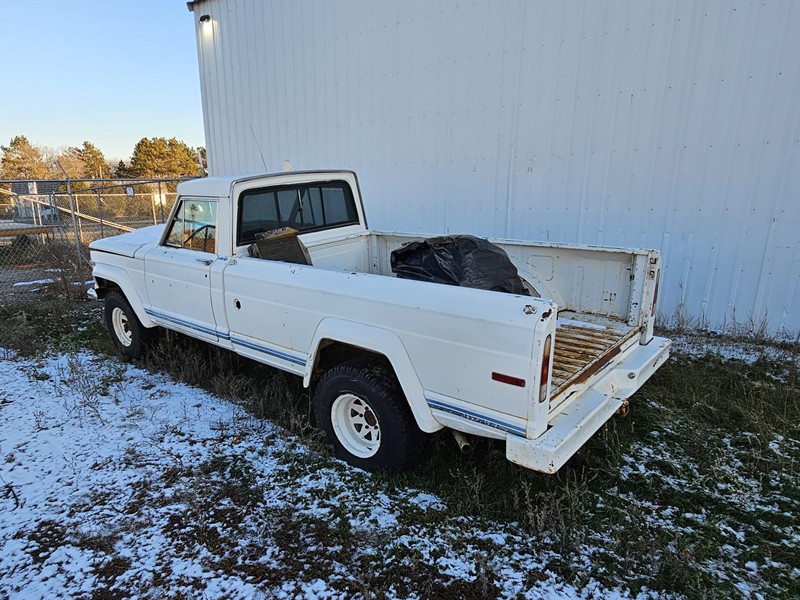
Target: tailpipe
point(622, 411)
point(462, 440)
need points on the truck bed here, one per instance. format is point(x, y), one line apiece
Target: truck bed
point(592, 328)
point(582, 348)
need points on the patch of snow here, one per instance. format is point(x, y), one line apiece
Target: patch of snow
point(427, 502)
point(583, 324)
point(699, 346)
point(739, 535)
point(744, 588)
point(37, 282)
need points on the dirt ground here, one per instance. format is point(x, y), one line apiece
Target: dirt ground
point(21, 281)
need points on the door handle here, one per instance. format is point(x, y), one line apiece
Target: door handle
point(206, 261)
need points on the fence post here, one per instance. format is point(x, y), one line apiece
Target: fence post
point(77, 212)
point(100, 214)
point(153, 206)
point(74, 217)
point(160, 202)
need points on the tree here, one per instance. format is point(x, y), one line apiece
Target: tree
point(94, 163)
point(121, 170)
point(70, 159)
point(22, 160)
point(161, 157)
point(86, 162)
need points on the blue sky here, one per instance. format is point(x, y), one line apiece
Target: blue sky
point(110, 71)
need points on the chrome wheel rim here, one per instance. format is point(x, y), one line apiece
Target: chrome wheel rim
point(356, 425)
point(122, 327)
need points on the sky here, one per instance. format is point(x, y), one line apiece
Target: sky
point(110, 72)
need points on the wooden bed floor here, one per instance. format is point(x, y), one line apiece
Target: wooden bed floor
point(582, 348)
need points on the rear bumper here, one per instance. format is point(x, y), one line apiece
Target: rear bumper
point(572, 427)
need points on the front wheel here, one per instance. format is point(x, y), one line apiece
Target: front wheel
point(127, 332)
point(364, 414)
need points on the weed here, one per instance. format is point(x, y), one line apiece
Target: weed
point(10, 492)
point(52, 322)
point(61, 260)
point(39, 420)
point(85, 386)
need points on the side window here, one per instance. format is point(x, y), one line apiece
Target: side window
point(337, 209)
point(194, 226)
point(308, 207)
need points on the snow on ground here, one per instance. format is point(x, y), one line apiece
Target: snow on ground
point(699, 345)
point(120, 481)
point(35, 282)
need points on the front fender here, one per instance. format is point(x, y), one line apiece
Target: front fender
point(120, 277)
point(383, 342)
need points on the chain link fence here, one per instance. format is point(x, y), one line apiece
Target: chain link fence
point(46, 226)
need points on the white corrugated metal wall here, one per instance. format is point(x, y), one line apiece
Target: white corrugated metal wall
point(673, 125)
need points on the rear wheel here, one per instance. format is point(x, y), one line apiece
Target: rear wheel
point(127, 332)
point(364, 414)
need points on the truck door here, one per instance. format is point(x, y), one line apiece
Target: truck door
point(177, 271)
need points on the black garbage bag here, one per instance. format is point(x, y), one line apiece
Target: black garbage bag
point(462, 260)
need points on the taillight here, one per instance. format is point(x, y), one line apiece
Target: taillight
point(508, 379)
point(655, 295)
point(544, 377)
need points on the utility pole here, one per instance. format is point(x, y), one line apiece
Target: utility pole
point(200, 161)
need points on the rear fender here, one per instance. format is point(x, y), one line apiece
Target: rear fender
point(383, 342)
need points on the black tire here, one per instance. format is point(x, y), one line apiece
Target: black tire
point(372, 386)
point(130, 337)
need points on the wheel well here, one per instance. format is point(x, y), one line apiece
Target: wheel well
point(106, 286)
point(331, 353)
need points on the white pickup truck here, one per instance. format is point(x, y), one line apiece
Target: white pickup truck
point(390, 359)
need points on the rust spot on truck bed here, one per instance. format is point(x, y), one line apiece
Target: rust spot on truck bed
point(581, 351)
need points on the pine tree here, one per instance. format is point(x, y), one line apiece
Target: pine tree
point(94, 163)
point(22, 160)
point(122, 171)
point(162, 157)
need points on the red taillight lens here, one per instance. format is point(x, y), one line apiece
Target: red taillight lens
point(655, 294)
point(544, 377)
point(508, 379)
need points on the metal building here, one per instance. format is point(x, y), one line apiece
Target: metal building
point(673, 125)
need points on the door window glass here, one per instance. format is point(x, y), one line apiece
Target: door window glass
point(194, 226)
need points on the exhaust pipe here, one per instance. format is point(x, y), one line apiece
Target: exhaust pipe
point(622, 411)
point(462, 440)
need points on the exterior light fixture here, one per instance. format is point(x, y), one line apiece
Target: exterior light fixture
point(205, 18)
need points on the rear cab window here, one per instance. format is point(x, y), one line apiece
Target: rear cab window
point(304, 207)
